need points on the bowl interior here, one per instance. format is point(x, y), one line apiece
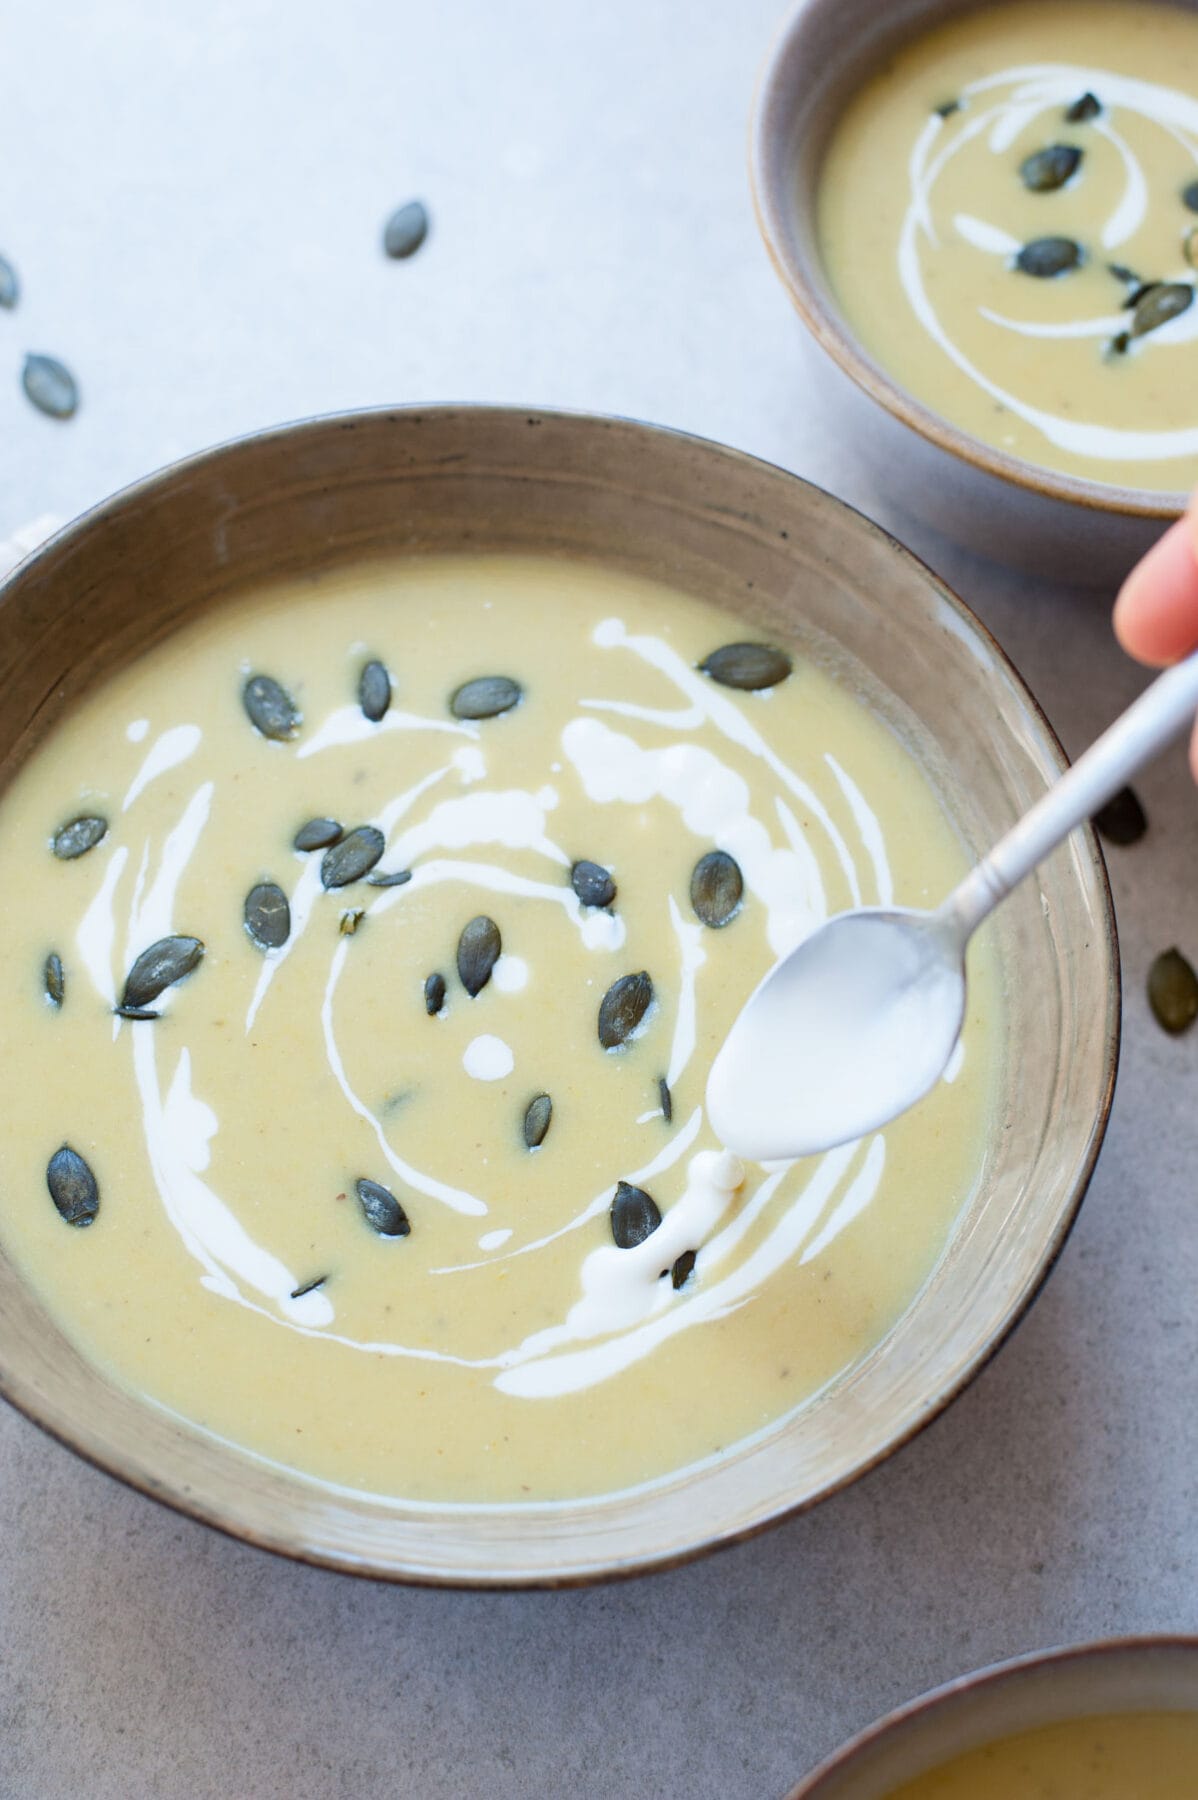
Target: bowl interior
point(798, 564)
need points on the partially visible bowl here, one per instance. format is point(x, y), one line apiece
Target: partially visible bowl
point(1012, 511)
point(801, 565)
point(1118, 1675)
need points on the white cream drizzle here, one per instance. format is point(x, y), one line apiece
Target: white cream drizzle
point(167, 752)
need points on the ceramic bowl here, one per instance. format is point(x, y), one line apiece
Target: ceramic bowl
point(795, 563)
point(1058, 527)
point(1149, 1674)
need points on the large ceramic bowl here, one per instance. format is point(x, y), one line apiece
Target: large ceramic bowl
point(795, 563)
point(1056, 526)
point(1120, 1675)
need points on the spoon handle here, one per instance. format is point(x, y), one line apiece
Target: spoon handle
point(1142, 732)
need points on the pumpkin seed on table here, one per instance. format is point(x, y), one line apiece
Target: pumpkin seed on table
point(666, 1099)
point(538, 1116)
point(479, 949)
point(73, 1188)
point(318, 834)
point(1173, 992)
point(161, 966)
point(354, 856)
point(485, 697)
point(374, 691)
point(434, 994)
point(717, 888)
point(78, 837)
point(53, 979)
point(10, 287)
point(1044, 171)
point(50, 385)
point(308, 1287)
point(683, 1269)
point(623, 1008)
point(592, 883)
point(1163, 301)
point(267, 915)
point(634, 1215)
point(382, 1211)
point(270, 707)
point(1086, 106)
point(749, 667)
point(405, 230)
point(1047, 257)
point(1122, 820)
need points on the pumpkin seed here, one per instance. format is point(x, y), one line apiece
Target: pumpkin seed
point(538, 1116)
point(1163, 301)
point(1086, 106)
point(1173, 992)
point(1189, 196)
point(349, 921)
point(478, 952)
point(383, 1212)
point(80, 836)
point(271, 709)
point(1044, 171)
point(1122, 820)
point(268, 916)
point(592, 883)
point(53, 979)
point(634, 1216)
point(485, 697)
point(434, 994)
point(10, 287)
point(159, 967)
point(1189, 245)
point(73, 1188)
point(50, 385)
point(666, 1098)
point(318, 834)
point(747, 666)
point(405, 230)
point(1121, 272)
point(1048, 256)
point(717, 888)
point(623, 1008)
point(947, 108)
point(353, 857)
point(136, 1012)
point(374, 691)
point(389, 878)
point(309, 1287)
point(1138, 293)
point(683, 1269)
point(1120, 342)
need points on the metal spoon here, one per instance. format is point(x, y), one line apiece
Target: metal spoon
point(858, 1023)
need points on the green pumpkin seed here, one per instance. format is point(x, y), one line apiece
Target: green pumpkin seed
point(485, 697)
point(1189, 196)
point(1121, 820)
point(717, 888)
point(267, 916)
point(666, 1098)
point(385, 878)
point(80, 836)
point(1086, 106)
point(136, 1012)
point(353, 857)
point(405, 230)
point(318, 834)
point(1120, 343)
point(309, 1287)
point(592, 883)
point(538, 1115)
point(1121, 272)
point(1173, 992)
point(623, 1008)
point(683, 1269)
point(10, 287)
point(73, 1188)
point(382, 1210)
point(1047, 257)
point(434, 994)
point(160, 967)
point(479, 949)
point(271, 709)
point(1047, 170)
point(349, 921)
point(1163, 301)
point(50, 385)
point(947, 108)
point(750, 667)
point(53, 979)
point(634, 1216)
point(374, 691)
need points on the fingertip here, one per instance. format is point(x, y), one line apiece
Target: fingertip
point(1156, 611)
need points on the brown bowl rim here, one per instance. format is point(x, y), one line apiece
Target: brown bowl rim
point(25, 1399)
point(830, 331)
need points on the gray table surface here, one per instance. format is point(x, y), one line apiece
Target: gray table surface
point(193, 197)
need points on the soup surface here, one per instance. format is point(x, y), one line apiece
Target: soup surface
point(1008, 214)
point(1121, 1756)
point(357, 1172)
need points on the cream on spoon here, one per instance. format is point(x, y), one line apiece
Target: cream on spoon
point(858, 1023)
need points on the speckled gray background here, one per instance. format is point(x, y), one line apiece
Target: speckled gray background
point(193, 196)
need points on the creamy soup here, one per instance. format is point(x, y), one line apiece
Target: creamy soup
point(1123, 1756)
point(386, 1157)
point(1008, 213)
